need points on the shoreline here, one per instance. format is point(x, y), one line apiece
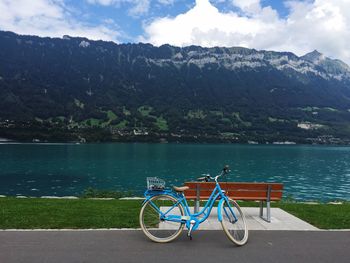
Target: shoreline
point(172, 142)
point(314, 202)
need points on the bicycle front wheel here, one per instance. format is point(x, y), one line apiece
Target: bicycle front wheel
point(160, 218)
point(233, 222)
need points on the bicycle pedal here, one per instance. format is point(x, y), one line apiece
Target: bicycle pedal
point(189, 235)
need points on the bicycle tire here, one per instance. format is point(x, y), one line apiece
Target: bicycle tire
point(235, 230)
point(153, 227)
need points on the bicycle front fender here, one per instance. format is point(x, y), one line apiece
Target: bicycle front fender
point(219, 209)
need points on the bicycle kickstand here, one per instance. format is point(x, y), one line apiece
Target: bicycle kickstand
point(189, 234)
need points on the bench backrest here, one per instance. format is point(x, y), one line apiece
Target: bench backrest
point(238, 191)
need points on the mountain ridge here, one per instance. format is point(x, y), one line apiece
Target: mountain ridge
point(314, 57)
point(188, 90)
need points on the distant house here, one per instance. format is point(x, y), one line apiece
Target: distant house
point(309, 126)
point(138, 132)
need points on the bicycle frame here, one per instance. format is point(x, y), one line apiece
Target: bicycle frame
point(216, 194)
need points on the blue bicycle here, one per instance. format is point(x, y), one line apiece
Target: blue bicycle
point(165, 213)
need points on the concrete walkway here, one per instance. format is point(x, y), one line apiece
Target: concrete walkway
point(280, 220)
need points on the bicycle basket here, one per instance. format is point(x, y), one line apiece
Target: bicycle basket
point(155, 183)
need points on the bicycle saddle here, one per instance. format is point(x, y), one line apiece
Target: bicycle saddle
point(181, 188)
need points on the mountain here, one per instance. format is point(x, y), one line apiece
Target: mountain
point(76, 86)
point(334, 67)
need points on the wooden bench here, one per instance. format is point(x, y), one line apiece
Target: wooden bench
point(263, 192)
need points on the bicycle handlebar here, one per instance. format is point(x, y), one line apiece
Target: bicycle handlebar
point(207, 177)
point(202, 178)
point(226, 169)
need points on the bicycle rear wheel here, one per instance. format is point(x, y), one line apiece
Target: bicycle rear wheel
point(160, 218)
point(234, 223)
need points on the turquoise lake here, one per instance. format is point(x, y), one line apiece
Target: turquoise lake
point(308, 172)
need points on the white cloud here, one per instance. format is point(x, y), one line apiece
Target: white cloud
point(251, 6)
point(166, 2)
point(321, 24)
point(138, 7)
point(49, 18)
point(204, 25)
point(101, 2)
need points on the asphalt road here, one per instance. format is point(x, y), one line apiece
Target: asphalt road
point(206, 246)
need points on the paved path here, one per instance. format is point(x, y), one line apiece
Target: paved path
point(280, 220)
point(206, 246)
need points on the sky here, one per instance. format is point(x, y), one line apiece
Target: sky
point(298, 26)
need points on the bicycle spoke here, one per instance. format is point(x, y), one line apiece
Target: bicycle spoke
point(156, 215)
point(233, 222)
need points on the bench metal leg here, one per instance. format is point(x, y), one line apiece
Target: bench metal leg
point(196, 204)
point(268, 206)
point(261, 208)
point(268, 212)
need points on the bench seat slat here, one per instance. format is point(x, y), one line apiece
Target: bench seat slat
point(235, 194)
point(236, 186)
point(238, 198)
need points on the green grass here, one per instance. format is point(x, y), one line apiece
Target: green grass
point(145, 110)
point(226, 120)
point(121, 124)
point(99, 193)
point(324, 216)
point(33, 213)
point(217, 113)
point(61, 118)
point(229, 134)
point(111, 115)
point(236, 116)
point(162, 124)
point(92, 122)
point(198, 114)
